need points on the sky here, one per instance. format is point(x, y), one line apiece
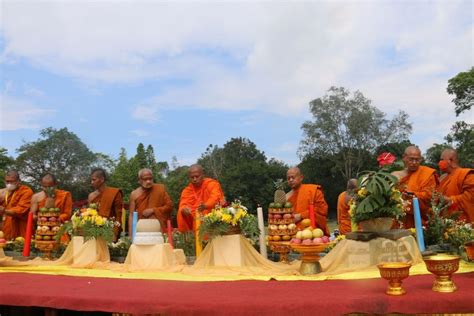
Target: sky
point(181, 75)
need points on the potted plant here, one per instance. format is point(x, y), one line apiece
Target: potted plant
point(378, 201)
point(225, 220)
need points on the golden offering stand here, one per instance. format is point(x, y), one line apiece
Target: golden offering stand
point(46, 247)
point(310, 257)
point(394, 272)
point(443, 267)
point(282, 248)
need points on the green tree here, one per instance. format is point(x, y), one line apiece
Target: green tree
point(397, 149)
point(124, 176)
point(433, 154)
point(462, 86)
point(175, 182)
point(61, 152)
point(347, 128)
point(461, 137)
point(5, 162)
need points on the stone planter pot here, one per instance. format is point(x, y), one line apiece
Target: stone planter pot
point(377, 225)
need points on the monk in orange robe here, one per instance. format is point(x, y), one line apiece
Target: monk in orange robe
point(15, 206)
point(202, 195)
point(109, 200)
point(302, 195)
point(343, 216)
point(416, 181)
point(50, 196)
point(150, 200)
point(457, 185)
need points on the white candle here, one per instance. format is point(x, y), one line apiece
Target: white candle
point(261, 226)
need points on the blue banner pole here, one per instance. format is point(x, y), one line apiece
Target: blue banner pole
point(418, 224)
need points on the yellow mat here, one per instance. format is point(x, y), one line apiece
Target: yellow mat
point(182, 276)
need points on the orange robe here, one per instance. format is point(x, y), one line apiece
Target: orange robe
point(63, 201)
point(210, 193)
point(18, 201)
point(308, 194)
point(459, 186)
point(110, 202)
point(422, 183)
point(158, 199)
point(343, 216)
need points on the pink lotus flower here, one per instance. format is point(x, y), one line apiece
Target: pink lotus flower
point(385, 159)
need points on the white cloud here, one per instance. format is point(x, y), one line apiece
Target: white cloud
point(32, 91)
point(18, 114)
point(271, 56)
point(140, 132)
point(147, 113)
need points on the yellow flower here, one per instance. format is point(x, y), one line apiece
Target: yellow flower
point(92, 212)
point(362, 192)
point(99, 221)
point(227, 218)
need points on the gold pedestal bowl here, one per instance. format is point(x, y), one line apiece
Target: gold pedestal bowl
point(394, 272)
point(443, 267)
point(282, 248)
point(310, 257)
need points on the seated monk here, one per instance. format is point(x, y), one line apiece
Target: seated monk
point(50, 196)
point(14, 206)
point(202, 195)
point(302, 195)
point(150, 200)
point(109, 200)
point(416, 181)
point(343, 216)
point(457, 185)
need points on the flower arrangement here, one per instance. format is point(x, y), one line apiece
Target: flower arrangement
point(224, 219)
point(88, 223)
point(378, 195)
point(443, 231)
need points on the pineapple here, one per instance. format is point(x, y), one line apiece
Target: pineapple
point(280, 195)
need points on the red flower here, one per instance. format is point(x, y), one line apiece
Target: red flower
point(386, 159)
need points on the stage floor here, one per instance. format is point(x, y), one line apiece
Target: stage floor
point(138, 296)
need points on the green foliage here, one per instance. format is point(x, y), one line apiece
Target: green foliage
point(377, 197)
point(175, 182)
point(5, 163)
point(62, 153)
point(462, 138)
point(462, 86)
point(346, 128)
point(119, 248)
point(185, 241)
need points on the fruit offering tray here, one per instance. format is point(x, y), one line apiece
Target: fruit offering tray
point(283, 210)
point(281, 221)
point(48, 220)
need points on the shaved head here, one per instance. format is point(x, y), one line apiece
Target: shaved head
point(49, 177)
point(412, 158)
point(294, 177)
point(412, 150)
point(196, 174)
point(450, 154)
point(13, 174)
point(352, 184)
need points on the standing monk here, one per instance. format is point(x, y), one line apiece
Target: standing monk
point(457, 185)
point(50, 196)
point(150, 200)
point(15, 206)
point(109, 200)
point(343, 216)
point(302, 195)
point(416, 181)
point(202, 195)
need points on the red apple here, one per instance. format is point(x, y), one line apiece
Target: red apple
point(325, 239)
point(307, 242)
point(44, 219)
point(270, 216)
point(287, 216)
point(52, 219)
point(296, 241)
point(277, 216)
point(2, 240)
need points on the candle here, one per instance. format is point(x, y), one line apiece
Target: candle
point(418, 225)
point(134, 224)
point(29, 226)
point(124, 221)
point(170, 234)
point(261, 226)
point(311, 215)
point(196, 233)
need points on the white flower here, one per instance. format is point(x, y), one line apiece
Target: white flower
point(232, 210)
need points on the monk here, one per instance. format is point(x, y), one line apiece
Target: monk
point(302, 195)
point(51, 196)
point(343, 216)
point(150, 200)
point(416, 181)
point(201, 195)
point(109, 200)
point(457, 185)
point(15, 206)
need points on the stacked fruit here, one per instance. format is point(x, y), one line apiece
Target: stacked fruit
point(281, 222)
point(309, 235)
point(48, 224)
point(3, 242)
